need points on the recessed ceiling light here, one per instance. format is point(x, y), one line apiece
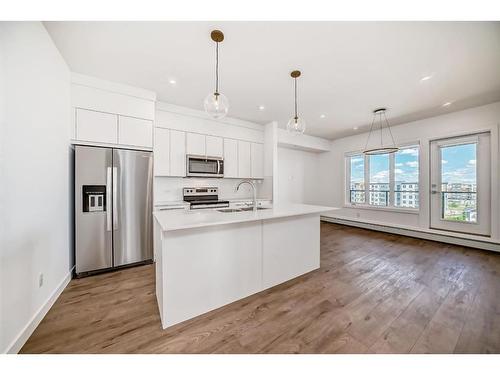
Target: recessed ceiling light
point(261, 107)
point(322, 116)
point(425, 78)
point(355, 128)
point(447, 104)
point(172, 81)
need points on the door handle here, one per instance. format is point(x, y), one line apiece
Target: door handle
point(115, 198)
point(108, 196)
point(219, 165)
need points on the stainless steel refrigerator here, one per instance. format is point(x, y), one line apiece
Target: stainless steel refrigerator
point(113, 208)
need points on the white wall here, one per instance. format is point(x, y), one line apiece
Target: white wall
point(331, 183)
point(35, 178)
point(298, 175)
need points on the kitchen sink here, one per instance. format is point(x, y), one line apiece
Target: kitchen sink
point(241, 209)
point(230, 210)
point(251, 208)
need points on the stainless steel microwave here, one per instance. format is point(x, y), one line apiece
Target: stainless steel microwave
point(204, 166)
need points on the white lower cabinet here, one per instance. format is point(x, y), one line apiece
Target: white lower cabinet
point(162, 152)
point(177, 153)
point(93, 126)
point(244, 160)
point(135, 132)
point(230, 158)
point(257, 157)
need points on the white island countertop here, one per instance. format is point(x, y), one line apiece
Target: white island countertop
point(186, 219)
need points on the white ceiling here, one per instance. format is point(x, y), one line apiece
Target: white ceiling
point(348, 68)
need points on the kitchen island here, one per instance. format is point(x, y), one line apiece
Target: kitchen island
point(207, 258)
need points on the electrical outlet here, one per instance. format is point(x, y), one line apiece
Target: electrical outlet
point(40, 280)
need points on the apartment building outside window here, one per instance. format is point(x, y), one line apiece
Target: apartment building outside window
point(390, 180)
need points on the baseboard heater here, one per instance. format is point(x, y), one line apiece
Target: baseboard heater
point(416, 233)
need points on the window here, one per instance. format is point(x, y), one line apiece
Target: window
point(392, 179)
point(379, 180)
point(357, 179)
point(406, 177)
point(459, 183)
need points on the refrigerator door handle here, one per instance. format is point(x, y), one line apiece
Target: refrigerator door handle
point(115, 197)
point(108, 195)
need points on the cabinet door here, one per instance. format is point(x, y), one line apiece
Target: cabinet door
point(257, 156)
point(135, 132)
point(177, 153)
point(95, 126)
point(230, 158)
point(214, 146)
point(244, 157)
point(195, 144)
point(162, 152)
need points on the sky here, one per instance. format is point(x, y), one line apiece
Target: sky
point(458, 165)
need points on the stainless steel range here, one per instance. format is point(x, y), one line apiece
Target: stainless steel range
point(203, 197)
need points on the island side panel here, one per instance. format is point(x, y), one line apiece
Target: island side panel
point(206, 268)
point(291, 247)
point(157, 251)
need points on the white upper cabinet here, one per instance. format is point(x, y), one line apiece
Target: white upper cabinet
point(135, 132)
point(230, 158)
point(257, 157)
point(177, 153)
point(244, 159)
point(195, 144)
point(162, 152)
point(214, 146)
point(92, 126)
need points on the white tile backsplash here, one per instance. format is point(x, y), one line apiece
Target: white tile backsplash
point(169, 189)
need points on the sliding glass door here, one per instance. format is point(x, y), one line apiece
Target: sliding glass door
point(460, 184)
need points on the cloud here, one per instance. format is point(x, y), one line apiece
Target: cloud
point(472, 162)
point(444, 161)
point(382, 176)
point(399, 164)
point(412, 164)
point(409, 151)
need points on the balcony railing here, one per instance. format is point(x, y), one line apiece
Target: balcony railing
point(382, 201)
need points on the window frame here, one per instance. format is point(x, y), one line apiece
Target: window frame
point(392, 183)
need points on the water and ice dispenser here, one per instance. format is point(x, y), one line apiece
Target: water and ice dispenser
point(94, 198)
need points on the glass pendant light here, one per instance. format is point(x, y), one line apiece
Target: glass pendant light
point(296, 125)
point(216, 104)
point(380, 149)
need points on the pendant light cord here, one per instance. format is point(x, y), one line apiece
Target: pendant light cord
point(390, 132)
point(380, 120)
point(217, 67)
point(295, 84)
point(369, 135)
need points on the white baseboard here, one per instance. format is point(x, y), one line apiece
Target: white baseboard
point(30, 327)
point(433, 235)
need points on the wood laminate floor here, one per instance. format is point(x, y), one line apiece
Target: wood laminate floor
point(374, 293)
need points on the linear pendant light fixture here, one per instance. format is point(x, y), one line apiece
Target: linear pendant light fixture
point(296, 125)
point(388, 149)
point(216, 104)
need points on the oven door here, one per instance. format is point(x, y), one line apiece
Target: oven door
point(200, 166)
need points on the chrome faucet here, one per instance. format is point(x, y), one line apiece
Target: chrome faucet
point(250, 182)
